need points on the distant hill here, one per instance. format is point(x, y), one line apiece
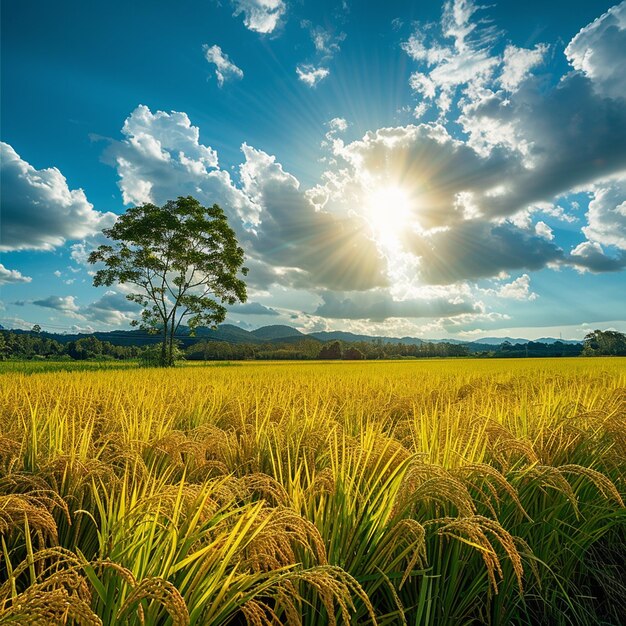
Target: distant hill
point(341, 335)
point(496, 341)
point(224, 332)
point(277, 331)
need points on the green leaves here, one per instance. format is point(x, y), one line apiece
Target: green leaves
point(183, 260)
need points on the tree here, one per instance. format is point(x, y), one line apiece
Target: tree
point(330, 351)
point(604, 342)
point(353, 354)
point(183, 261)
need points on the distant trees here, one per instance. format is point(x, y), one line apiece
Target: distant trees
point(353, 354)
point(26, 345)
point(534, 349)
point(604, 343)
point(330, 351)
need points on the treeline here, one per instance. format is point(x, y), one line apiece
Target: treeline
point(36, 346)
point(535, 349)
point(311, 349)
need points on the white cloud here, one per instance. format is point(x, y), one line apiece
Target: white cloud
point(324, 40)
point(543, 230)
point(112, 309)
point(470, 202)
point(326, 44)
point(8, 276)
point(590, 256)
point(466, 59)
point(260, 16)
point(65, 304)
point(15, 322)
point(606, 216)
point(597, 50)
point(39, 211)
point(253, 308)
point(311, 75)
point(518, 289)
point(338, 124)
point(466, 63)
point(517, 63)
point(225, 69)
point(161, 157)
point(307, 247)
point(561, 136)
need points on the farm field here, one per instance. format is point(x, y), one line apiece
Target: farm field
point(403, 492)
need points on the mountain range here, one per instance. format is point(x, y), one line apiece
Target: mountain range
point(280, 333)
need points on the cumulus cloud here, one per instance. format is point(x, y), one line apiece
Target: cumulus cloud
point(517, 64)
point(161, 157)
point(65, 304)
point(481, 249)
point(39, 210)
point(606, 215)
point(565, 137)
point(311, 247)
point(311, 75)
point(543, 230)
point(597, 49)
point(225, 69)
point(8, 276)
point(518, 289)
point(253, 308)
point(590, 256)
point(260, 16)
point(112, 309)
point(425, 160)
point(378, 306)
point(15, 322)
point(471, 200)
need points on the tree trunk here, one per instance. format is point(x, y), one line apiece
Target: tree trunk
point(170, 360)
point(163, 359)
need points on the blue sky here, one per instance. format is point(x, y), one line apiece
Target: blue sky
point(432, 169)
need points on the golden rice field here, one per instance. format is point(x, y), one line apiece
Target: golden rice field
point(416, 492)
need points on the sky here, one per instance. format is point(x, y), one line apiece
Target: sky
point(430, 169)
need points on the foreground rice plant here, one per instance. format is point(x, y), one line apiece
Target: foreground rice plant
point(422, 493)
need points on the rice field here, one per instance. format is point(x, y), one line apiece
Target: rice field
point(416, 492)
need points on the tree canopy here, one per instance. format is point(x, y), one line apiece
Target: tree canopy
point(183, 262)
point(604, 343)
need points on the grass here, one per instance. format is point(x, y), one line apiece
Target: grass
point(421, 493)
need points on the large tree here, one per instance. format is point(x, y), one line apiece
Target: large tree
point(604, 342)
point(182, 261)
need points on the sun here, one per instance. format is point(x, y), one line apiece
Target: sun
point(389, 211)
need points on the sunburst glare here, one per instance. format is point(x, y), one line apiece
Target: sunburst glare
point(389, 211)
